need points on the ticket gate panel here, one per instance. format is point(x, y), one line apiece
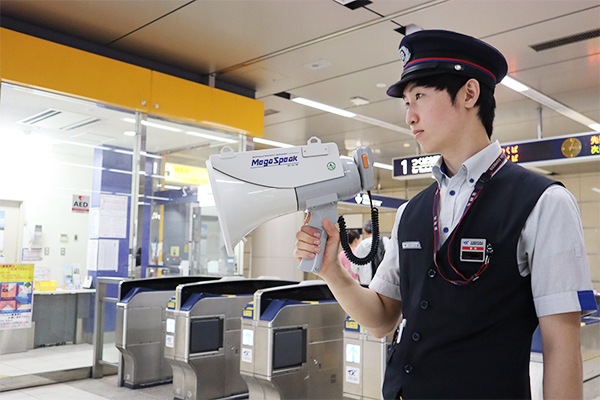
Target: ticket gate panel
point(139, 337)
point(205, 373)
point(308, 329)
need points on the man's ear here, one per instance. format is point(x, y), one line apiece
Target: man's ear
point(471, 93)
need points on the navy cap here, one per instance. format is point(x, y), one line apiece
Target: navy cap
point(432, 52)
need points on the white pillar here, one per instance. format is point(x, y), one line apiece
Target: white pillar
point(273, 246)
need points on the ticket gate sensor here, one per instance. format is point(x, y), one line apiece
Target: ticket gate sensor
point(292, 343)
point(140, 328)
point(364, 362)
point(203, 337)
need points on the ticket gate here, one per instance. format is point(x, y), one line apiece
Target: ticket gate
point(203, 337)
point(292, 343)
point(140, 326)
point(364, 362)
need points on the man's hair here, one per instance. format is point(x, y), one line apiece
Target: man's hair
point(368, 226)
point(452, 83)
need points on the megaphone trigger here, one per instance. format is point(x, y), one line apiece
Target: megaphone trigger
point(315, 218)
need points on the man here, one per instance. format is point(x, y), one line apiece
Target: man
point(365, 272)
point(480, 257)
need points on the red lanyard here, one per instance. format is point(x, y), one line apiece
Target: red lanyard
point(483, 179)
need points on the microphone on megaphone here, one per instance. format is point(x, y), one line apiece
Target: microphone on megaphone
point(253, 187)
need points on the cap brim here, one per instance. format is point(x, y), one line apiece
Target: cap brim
point(397, 89)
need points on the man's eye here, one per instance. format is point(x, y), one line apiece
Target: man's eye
point(418, 95)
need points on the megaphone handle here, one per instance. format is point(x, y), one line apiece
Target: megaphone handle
point(315, 219)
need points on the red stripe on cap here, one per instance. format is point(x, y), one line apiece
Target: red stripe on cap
point(420, 60)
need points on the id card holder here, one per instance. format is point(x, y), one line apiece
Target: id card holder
point(472, 250)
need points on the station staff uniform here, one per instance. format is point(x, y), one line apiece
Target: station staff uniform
point(473, 340)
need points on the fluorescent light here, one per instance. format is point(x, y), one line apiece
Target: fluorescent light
point(129, 133)
point(271, 142)
point(550, 103)
point(211, 137)
point(513, 84)
point(323, 107)
point(595, 127)
point(383, 166)
point(383, 124)
point(145, 154)
point(595, 189)
point(348, 114)
point(172, 187)
point(153, 125)
point(120, 171)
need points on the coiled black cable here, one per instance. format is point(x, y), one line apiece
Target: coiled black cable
point(375, 241)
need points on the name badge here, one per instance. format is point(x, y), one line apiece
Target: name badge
point(415, 245)
point(472, 250)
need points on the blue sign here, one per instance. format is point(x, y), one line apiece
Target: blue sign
point(362, 199)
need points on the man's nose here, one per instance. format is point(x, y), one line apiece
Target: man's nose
point(411, 117)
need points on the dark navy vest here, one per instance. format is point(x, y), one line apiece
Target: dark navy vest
point(471, 341)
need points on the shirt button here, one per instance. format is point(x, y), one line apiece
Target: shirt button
point(431, 273)
point(408, 368)
point(446, 230)
point(452, 193)
point(416, 336)
point(471, 180)
point(424, 304)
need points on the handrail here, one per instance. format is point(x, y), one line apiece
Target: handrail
point(99, 309)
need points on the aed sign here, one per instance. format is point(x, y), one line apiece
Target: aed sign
point(80, 204)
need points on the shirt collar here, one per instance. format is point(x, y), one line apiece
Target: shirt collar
point(474, 166)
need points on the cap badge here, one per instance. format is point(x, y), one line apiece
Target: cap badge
point(404, 55)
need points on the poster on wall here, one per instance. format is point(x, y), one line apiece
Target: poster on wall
point(113, 216)
point(2, 221)
point(16, 296)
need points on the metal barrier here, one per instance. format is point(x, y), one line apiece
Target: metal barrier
point(98, 338)
point(292, 343)
point(203, 337)
point(364, 362)
point(140, 327)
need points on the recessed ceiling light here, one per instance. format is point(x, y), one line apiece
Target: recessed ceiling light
point(318, 64)
point(381, 85)
point(359, 101)
point(406, 144)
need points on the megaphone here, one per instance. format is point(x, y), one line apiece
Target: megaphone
point(251, 188)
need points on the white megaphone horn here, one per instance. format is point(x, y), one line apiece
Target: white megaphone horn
point(251, 188)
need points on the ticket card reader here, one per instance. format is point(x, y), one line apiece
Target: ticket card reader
point(140, 328)
point(203, 337)
point(364, 362)
point(292, 343)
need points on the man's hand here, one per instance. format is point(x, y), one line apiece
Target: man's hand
point(308, 244)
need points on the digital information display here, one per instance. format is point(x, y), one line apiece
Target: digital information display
point(554, 149)
point(562, 148)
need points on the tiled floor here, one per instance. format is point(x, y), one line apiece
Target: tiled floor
point(90, 389)
point(46, 359)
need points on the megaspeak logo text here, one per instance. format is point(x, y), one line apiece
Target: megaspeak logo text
point(274, 161)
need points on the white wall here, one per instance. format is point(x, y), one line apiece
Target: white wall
point(45, 177)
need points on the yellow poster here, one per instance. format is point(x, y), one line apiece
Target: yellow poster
point(186, 174)
point(16, 295)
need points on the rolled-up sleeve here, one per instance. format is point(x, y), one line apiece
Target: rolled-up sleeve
point(552, 249)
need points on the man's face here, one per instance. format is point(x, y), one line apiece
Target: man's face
point(433, 119)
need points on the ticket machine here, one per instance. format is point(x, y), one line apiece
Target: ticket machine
point(203, 337)
point(140, 328)
point(292, 343)
point(364, 362)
